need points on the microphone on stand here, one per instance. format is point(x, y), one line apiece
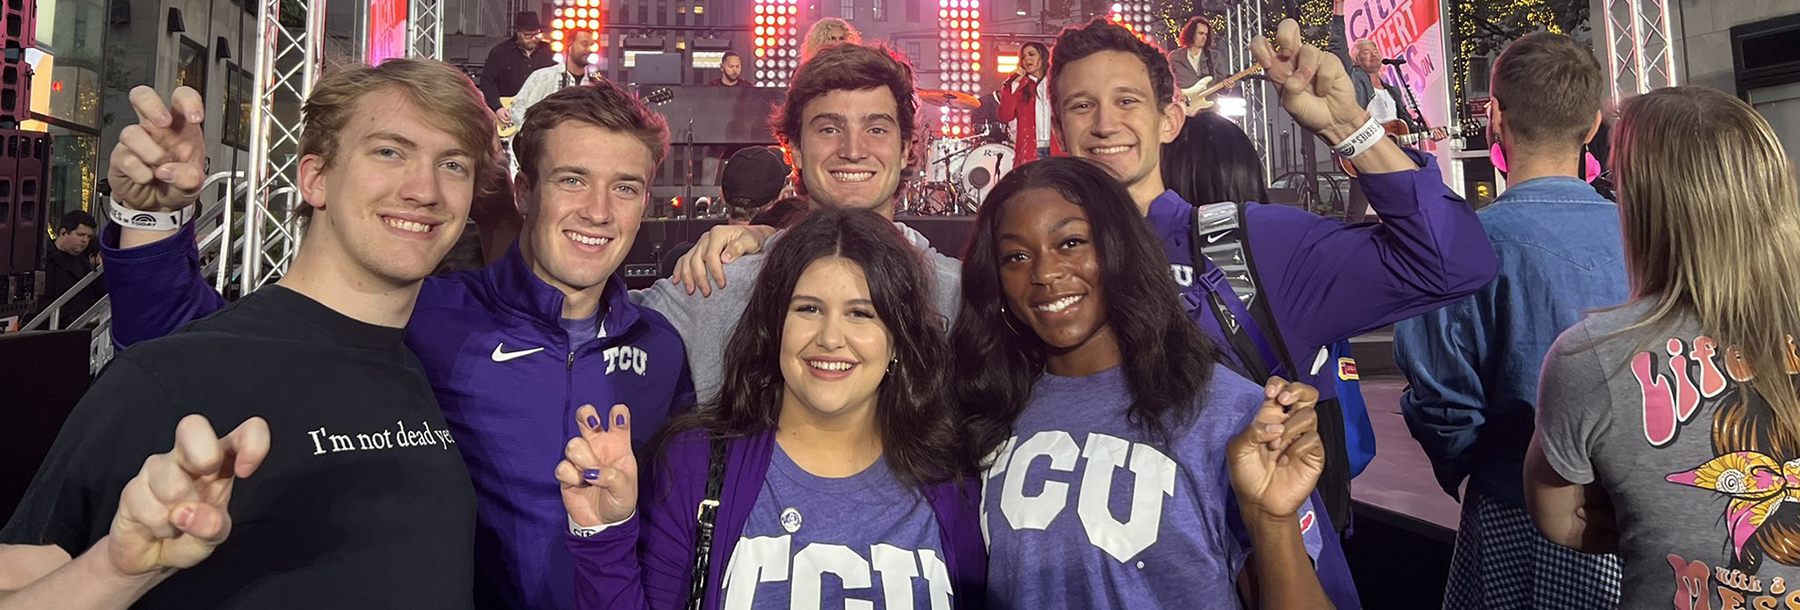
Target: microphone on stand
point(1397, 61)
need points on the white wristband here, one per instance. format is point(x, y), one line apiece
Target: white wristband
point(1361, 141)
point(589, 532)
point(149, 221)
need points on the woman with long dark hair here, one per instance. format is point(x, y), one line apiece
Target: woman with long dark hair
point(1103, 483)
point(837, 450)
point(1212, 161)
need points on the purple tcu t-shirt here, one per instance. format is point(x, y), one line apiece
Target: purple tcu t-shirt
point(1082, 510)
point(863, 541)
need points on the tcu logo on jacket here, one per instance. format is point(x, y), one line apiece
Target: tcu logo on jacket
point(1093, 465)
point(625, 358)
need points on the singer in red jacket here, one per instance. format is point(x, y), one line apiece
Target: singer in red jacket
point(1025, 102)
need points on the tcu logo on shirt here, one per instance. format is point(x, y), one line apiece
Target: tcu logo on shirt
point(625, 358)
point(1093, 465)
point(765, 559)
point(1184, 274)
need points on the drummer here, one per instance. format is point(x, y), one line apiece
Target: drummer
point(1025, 103)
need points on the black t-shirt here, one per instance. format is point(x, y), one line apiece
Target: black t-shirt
point(363, 501)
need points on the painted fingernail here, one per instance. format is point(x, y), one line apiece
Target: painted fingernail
point(591, 474)
point(593, 421)
point(619, 420)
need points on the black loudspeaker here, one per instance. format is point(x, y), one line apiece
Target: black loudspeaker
point(24, 185)
point(45, 374)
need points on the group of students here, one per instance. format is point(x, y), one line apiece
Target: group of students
point(396, 433)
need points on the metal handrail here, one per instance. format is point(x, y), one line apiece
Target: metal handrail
point(53, 312)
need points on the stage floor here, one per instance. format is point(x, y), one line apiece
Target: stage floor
point(1399, 479)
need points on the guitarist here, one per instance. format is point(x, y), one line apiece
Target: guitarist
point(1382, 100)
point(573, 70)
point(1193, 60)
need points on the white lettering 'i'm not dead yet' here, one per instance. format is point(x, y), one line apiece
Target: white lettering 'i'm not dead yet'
point(1153, 482)
point(397, 437)
point(765, 559)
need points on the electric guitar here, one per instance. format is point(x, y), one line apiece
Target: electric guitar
point(1397, 131)
point(1198, 97)
point(656, 97)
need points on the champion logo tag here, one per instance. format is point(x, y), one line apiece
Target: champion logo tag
point(1306, 522)
point(790, 519)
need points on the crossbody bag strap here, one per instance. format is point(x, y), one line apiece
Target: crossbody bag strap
point(705, 517)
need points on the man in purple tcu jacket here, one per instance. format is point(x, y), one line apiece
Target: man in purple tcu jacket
point(511, 350)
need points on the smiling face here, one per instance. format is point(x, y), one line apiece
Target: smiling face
point(583, 211)
point(395, 198)
point(835, 348)
point(581, 50)
point(1368, 57)
point(1107, 111)
point(1050, 279)
point(851, 152)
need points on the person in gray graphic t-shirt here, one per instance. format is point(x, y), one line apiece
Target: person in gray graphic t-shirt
point(1668, 430)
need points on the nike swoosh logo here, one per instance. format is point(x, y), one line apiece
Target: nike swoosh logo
point(501, 355)
point(1214, 237)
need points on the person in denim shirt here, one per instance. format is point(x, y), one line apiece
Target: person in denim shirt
point(1473, 366)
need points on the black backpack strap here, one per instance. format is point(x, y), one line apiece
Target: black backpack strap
point(1222, 249)
point(1221, 268)
point(705, 517)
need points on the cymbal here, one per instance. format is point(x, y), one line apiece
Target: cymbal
point(946, 97)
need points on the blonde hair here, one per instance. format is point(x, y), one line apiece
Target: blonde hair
point(441, 91)
point(1710, 211)
point(820, 35)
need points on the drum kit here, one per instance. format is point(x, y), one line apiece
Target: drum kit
point(960, 171)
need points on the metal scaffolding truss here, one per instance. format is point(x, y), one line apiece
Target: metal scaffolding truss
point(289, 59)
point(1640, 55)
point(1243, 25)
point(424, 28)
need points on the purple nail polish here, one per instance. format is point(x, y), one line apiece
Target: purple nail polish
point(591, 474)
point(593, 422)
point(619, 420)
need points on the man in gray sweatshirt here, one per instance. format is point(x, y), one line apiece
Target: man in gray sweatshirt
point(848, 126)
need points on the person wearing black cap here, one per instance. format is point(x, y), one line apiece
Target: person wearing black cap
point(751, 182)
point(515, 58)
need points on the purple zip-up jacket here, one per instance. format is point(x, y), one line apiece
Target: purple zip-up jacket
point(504, 376)
point(647, 562)
point(1327, 281)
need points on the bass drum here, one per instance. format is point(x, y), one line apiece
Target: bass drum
point(982, 168)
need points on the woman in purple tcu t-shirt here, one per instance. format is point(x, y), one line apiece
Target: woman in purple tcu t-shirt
point(842, 484)
point(1090, 392)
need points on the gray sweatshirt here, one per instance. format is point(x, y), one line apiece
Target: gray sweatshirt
point(706, 323)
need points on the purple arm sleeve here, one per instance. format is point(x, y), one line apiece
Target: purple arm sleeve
point(1334, 281)
point(156, 288)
